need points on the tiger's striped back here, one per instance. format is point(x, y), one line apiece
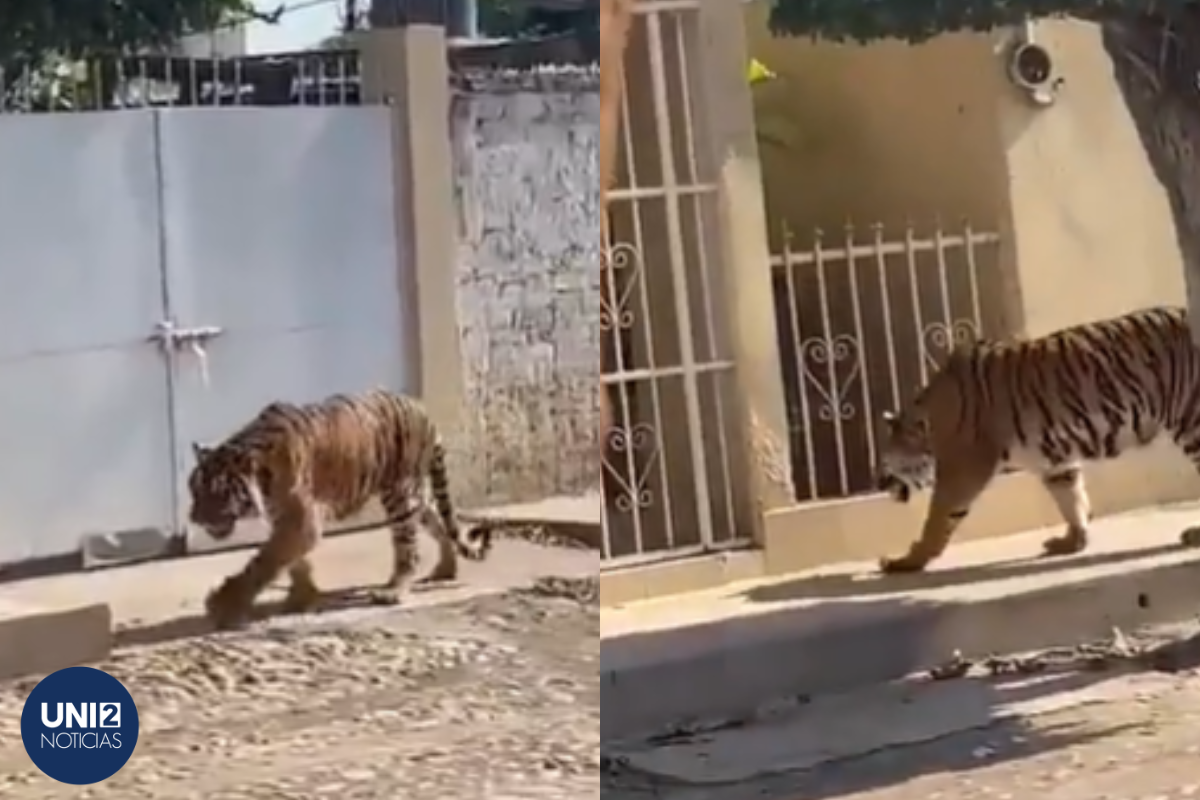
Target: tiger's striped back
point(1083, 393)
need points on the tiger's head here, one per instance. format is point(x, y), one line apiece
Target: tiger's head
point(224, 489)
point(906, 459)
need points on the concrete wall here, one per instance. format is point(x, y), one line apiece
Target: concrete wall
point(885, 133)
point(527, 189)
point(1087, 210)
point(890, 134)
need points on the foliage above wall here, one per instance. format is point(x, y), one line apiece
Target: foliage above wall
point(32, 29)
point(519, 18)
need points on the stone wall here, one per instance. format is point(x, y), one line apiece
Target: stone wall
point(527, 186)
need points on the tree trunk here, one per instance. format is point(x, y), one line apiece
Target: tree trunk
point(1156, 61)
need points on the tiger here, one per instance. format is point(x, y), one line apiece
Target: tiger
point(1045, 405)
point(301, 465)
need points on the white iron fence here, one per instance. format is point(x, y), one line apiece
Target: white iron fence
point(307, 78)
point(862, 323)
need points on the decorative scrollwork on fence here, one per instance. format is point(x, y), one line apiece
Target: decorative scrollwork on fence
point(633, 492)
point(938, 339)
point(832, 366)
point(622, 269)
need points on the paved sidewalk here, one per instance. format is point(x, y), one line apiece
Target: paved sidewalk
point(158, 592)
point(844, 626)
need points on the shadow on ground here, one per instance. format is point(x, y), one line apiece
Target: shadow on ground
point(809, 748)
point(192, 625)
point(874, 584)
point(1004, 740)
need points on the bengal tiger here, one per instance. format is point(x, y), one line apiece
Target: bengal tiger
point(1047, 405)
point(301, 465)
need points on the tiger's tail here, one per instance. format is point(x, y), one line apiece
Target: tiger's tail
point(476, 541)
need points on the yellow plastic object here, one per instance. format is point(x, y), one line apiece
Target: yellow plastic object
point(758, 72)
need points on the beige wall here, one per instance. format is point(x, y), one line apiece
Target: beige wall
point(877, 134)
point(406, 69)
point(888, 134)
point(1090, 220)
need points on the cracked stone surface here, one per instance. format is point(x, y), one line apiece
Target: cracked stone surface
point(496, 697)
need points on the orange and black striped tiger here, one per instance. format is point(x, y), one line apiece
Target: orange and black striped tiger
point(298, 465)
point(1047, 405)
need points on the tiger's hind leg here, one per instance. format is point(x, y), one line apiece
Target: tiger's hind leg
point(405, 510)
point(955, 489)
point(446, 569)
point(1187, 438)
point(429, 521)
point(1066, 485)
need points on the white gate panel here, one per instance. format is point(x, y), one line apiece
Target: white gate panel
point(281, 235)
point(84, 436)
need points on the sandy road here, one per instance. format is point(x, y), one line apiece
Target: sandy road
point(495, 697)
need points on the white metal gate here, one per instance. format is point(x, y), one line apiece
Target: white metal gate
point(669, 487)
point(84, 431)
point(262, 238)
point(280, 235)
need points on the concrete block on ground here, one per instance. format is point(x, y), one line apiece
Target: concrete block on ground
point(36, 641)
point(727, 650)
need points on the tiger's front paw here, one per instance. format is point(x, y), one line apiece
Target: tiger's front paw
point(437, 580)
point(227, 607)
point(903, 565)
point(1068, 544)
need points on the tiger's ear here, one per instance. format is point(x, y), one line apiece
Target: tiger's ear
point(890, 419)
point(199, 451)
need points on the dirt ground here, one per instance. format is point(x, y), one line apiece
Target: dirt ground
point(496, 698)
point(1142, 750)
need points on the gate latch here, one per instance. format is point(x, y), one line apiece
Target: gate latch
point(193, 340)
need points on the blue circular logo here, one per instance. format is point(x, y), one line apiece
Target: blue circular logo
point(79, 725)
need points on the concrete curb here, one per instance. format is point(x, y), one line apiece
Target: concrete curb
point(717, 672)
point(37, 642)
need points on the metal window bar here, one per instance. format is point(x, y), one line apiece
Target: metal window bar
point(693, 342)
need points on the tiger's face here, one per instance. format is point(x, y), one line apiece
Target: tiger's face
point(906, 459)
point(223, 489)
